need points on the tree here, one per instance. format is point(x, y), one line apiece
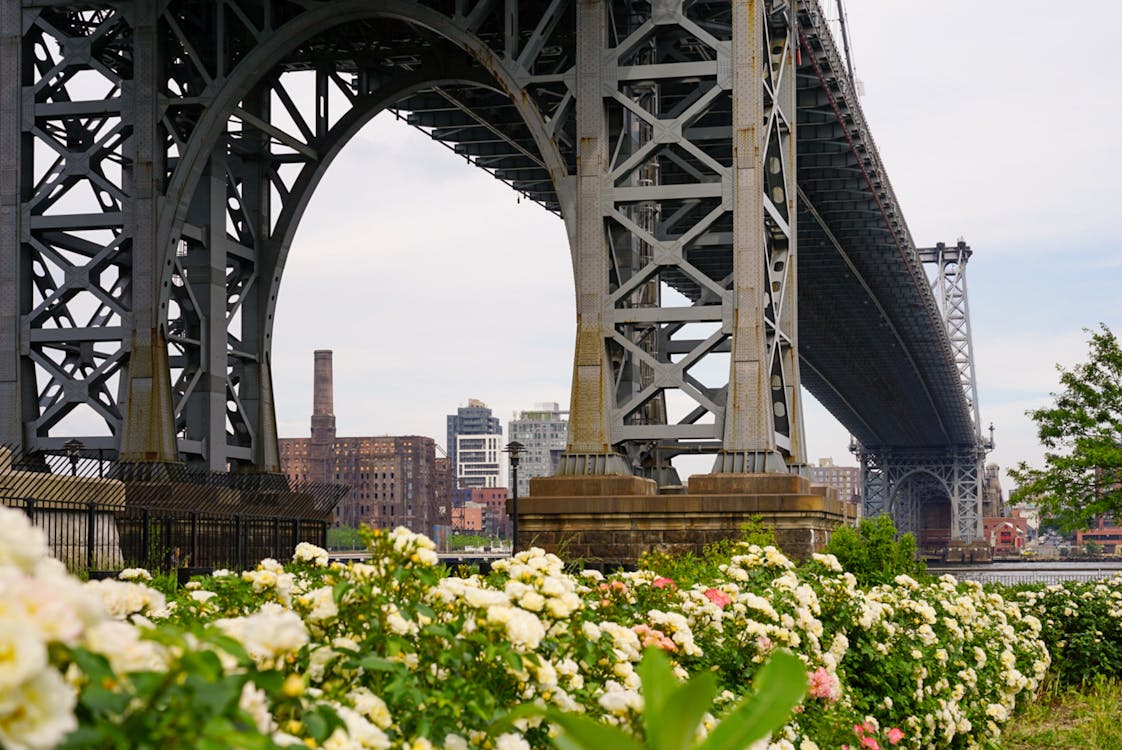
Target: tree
point(1082, 436)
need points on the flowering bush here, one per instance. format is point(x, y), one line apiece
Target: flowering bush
point(396, 653)
point(1081, 623)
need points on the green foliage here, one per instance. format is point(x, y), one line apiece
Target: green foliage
point(194, 703)
point(873, 554)
point(1081, 623)
point(460, 541)
point(344, 538)
point(673, 712)
point(1070, 719)
point(1092, 549)
point(688, 568)
point(1081, 433)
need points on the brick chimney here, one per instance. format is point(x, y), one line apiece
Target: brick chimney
point(321, 447)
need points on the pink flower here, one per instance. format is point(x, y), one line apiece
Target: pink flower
point(763, 643)
point(825, 686)
point(662, 583)
point(651, 637)
point(895, 735)
point(870, 743)
point(718, 597)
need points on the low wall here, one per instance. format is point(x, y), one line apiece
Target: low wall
point(614, 520)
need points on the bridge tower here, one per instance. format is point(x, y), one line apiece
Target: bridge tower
point(936, 493)
point(156, 158)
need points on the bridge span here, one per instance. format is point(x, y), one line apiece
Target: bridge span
point(733, 229)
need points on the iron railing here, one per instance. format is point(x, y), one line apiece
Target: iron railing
point(98, 514)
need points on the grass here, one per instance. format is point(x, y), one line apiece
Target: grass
point(1071, 719)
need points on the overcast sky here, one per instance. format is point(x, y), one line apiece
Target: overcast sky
point(998, 121)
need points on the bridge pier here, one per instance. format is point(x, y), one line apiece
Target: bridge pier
point(614, 520)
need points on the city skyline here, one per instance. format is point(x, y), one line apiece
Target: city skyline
point(425, 314)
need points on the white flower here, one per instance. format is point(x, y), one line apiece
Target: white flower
point(359, 735)
point(321, 602)
point(21, 544)
point(371, 706)
point(123, 598)
point(620, 701)
point(134, 574)
point(510, 741)
point(45, 714)
point(455, 742)
point(255, 703)
point(22, 656)
point(310, 553)
point(121, 644)
point(523, 628)
point(202, 597)
point(267, 634)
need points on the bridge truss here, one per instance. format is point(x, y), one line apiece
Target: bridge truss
point(156, 158)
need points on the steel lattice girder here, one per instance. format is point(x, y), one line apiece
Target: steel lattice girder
point(163, 154)
point(891, 478)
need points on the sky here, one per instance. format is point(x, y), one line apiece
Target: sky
point(998, 122)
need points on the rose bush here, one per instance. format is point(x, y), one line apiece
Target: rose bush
point(397, 653)
point(1081, 625)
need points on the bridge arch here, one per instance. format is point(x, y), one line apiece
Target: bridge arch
point(920, 503)
point(221, 192)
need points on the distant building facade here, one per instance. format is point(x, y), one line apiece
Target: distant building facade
point(1006, 534)
point(393, 479)
point(468, 519)
point(543, 432)
point(475, 441)
point(490, 502)
point(993, 499)
point(845, 479)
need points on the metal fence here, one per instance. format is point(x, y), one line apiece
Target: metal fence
point(103, 515)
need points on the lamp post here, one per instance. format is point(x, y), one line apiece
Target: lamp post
point(73, 448)
point(514, 450)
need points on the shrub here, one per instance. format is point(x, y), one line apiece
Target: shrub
point(873, 554)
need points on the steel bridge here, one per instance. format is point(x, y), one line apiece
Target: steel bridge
point(732, 226)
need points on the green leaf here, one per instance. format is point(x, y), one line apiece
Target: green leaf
point(214, 697)
point(684, 714)
point(780, 685)
point(513, 660)
point(659, 683)
point(94, 665)
point(379, 664)
point(672, 712)
point(99, 700)
point(589, 734)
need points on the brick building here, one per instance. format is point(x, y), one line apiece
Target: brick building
point(845, 479)
point(394, 480)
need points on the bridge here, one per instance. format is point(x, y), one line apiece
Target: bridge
point(733, 230)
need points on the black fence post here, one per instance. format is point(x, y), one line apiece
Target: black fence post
point(29, 509)
point(296, 531)
point(195, 538)
point(239, 543)
point(91, 534)
point(145, 539)
point(276, 538)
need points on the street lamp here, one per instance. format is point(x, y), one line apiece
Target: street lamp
point(73, 448)
point(514, 450)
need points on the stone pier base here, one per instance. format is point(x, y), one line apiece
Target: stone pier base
point(613, 520)
point(968, 552)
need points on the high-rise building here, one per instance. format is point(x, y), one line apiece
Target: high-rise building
point(543, 432)
point(845, 479)
point(393, 480)
point(475, 440)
